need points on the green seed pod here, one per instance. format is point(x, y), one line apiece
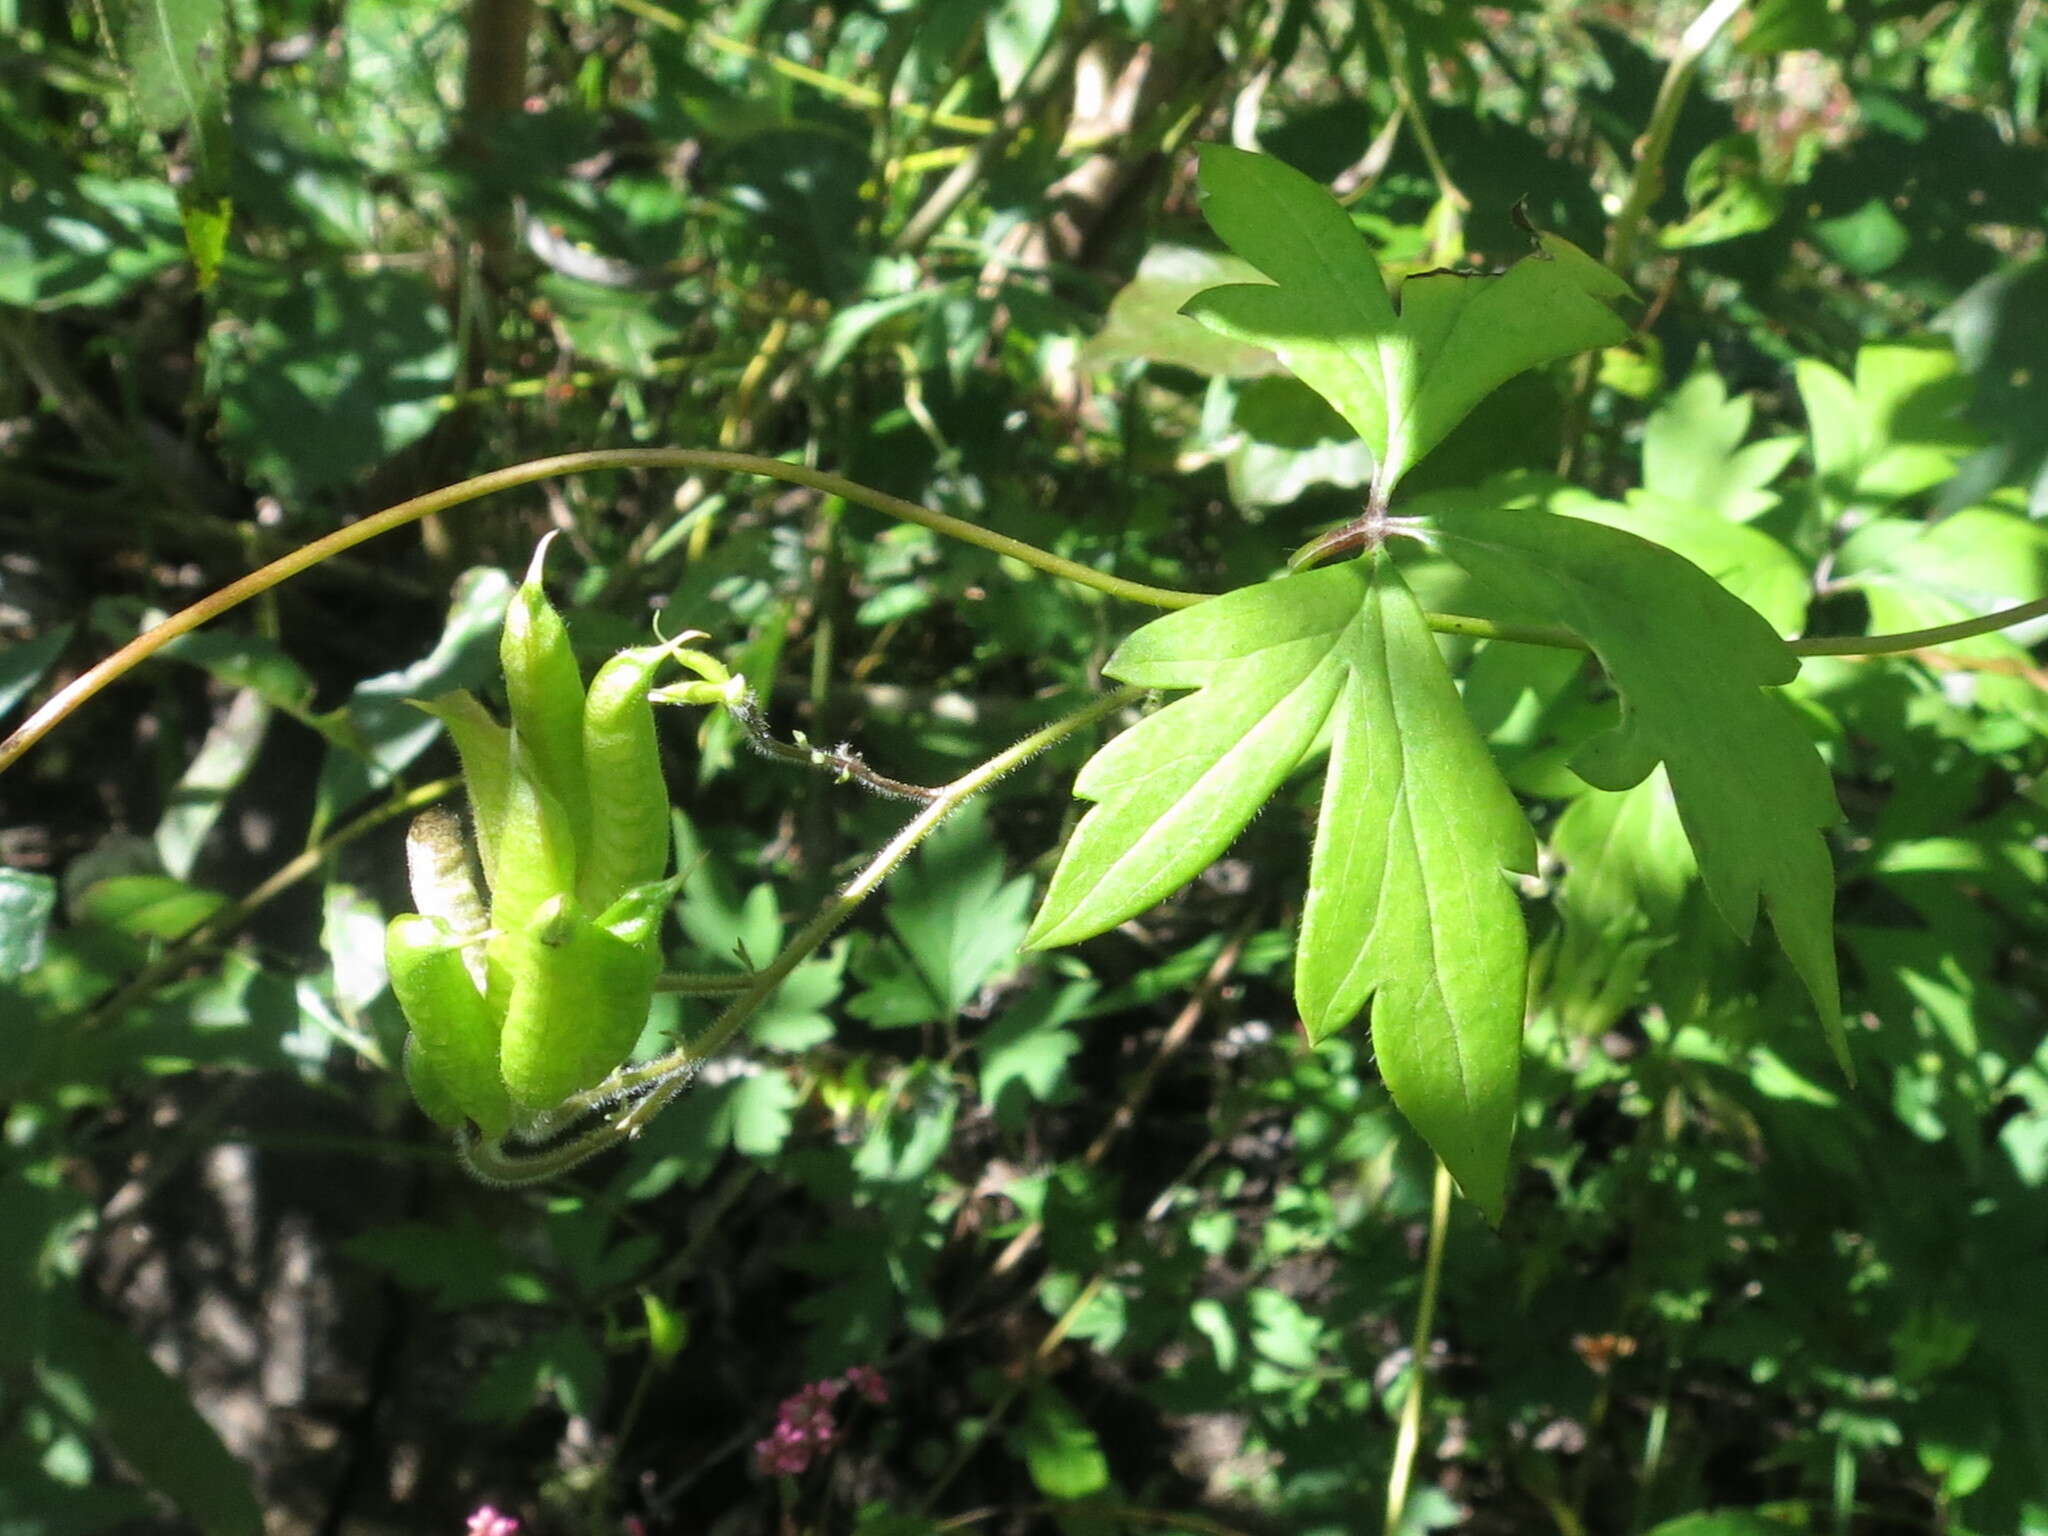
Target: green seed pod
point(485, 748)
point(455, 1029)
point(436, 1101)
point(546, 693)
point(629, 831)
point(579, 1000)
point(536, 848)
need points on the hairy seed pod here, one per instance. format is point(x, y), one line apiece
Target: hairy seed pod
point(435, 1098)
point(485, 748)
point(455, 1029)
point(536, 848)
point(579, 1001)
point(545, 690)
point(629, 811)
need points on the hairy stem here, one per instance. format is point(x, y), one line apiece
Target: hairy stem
point(701, 983)
point(842, 762)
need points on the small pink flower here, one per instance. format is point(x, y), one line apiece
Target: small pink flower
point(867, 1381)
point(486, 1521)
point(784, 1453)
point(809, 1409)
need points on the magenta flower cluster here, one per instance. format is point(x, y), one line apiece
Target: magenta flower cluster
point(486, 1521)
point(805, 1426)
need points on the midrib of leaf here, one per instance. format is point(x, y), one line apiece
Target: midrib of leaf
point(1401, 818)
point(1363, 318)
point(1432, 992)
point(160, 13)
point(1409, 909)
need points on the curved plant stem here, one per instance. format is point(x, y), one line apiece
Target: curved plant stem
point(1051, 70)
point(659, 1081)
point(1410, 1434)
point(211, 607)
point(97, 677)
point(1923, 639)
point(1647, 181)
point(842, 762)
point(1410, 102)
point(817, 79)
point(701, 983)
point(1645, 185)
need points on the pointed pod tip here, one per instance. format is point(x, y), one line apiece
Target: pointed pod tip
point(539, 562)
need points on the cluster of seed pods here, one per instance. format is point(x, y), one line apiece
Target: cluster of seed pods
point(538, 987)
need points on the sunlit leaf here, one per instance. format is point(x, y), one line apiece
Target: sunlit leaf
point(1692, 665)
point(1403, 378)
point(1407, 903)
point(27, 901)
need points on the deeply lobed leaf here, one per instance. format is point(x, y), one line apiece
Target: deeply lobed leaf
point(1403, 378)
point(1406, 901)
point(1693, 664)
point(1407, 906)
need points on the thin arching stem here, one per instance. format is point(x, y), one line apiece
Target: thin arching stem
point(143, 646)
point(1409, 1436)
point(235, 593)
point(1923, 639)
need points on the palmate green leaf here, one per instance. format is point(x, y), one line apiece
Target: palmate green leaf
point(1692, 664)
point(1406, 901)
point(1693, 451)
point(1173, 790)
point(1145, 320)
point(1403, 379)
point(1406, 906)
